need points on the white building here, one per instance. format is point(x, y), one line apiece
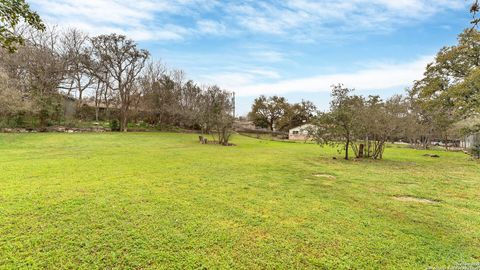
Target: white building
point(299, 133)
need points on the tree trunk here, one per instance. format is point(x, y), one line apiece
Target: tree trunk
point(355, 149)
point(124, 119)
point(369, 147)
point(96, 113)
point(346, 148)
point(80, 92)
point(361, 150)
point(381, 150)
point(124, 124)
point(445, 141)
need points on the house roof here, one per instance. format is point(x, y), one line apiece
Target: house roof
point(302, 127)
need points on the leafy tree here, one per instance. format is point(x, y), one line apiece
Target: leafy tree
point(467, 94)
point(449, 90)
point(383, 122)
point(296, 115)
point(267, 111)
point(359, 124)
point(12, 14)
point(342, 123)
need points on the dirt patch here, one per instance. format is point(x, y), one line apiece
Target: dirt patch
point(415, 199)
point(322, 175)
point(431, 155)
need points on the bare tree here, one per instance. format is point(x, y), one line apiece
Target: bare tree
point(75, 48)
point(218, 113)
point(12, 100)
point(39, 70)
point(474, 10)
point(191, 104)
point(123, 61)
point(109, 71)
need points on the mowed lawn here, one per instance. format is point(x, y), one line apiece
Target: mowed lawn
point(160, 200)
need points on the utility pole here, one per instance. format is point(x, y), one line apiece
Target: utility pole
point(233, 101)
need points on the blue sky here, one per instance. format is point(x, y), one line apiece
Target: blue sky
point(294, 48)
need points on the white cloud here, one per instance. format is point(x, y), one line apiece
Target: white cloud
point(140, 20)
point(264, 55)
point(211, 27)
point(310, 18)
point(376, 77)
point(96, 11)
point(265, 73)
point(229, 80)
point(300, 20)
point(232, 79)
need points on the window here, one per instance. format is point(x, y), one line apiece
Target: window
point(295, 132)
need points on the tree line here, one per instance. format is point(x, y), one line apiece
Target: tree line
point(111, 78)
point(431, 110)
point(115, 80)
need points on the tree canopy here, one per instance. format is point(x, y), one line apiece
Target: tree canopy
point(449, 90)
point(276, 113)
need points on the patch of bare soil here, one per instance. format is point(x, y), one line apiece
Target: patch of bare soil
point(415, 199)
point(431, 155)
point(322, 175)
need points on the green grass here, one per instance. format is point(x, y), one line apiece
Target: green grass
point(159, 200)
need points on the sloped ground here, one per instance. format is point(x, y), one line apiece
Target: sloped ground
point(157, 200)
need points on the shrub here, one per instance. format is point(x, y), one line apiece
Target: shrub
point(476, 151)
point(20, 119)
point(85, 112)
point(114, 125)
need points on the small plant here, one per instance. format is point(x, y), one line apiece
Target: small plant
point(476, 151)
point(114, 125)
point(20, 119)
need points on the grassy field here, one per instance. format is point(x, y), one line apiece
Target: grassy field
point(157, 200)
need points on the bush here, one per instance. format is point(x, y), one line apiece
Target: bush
point(114, 125)
point(476, 151)
point(85, 112)
point(20, 119)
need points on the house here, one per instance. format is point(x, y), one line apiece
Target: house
point(299, 133)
